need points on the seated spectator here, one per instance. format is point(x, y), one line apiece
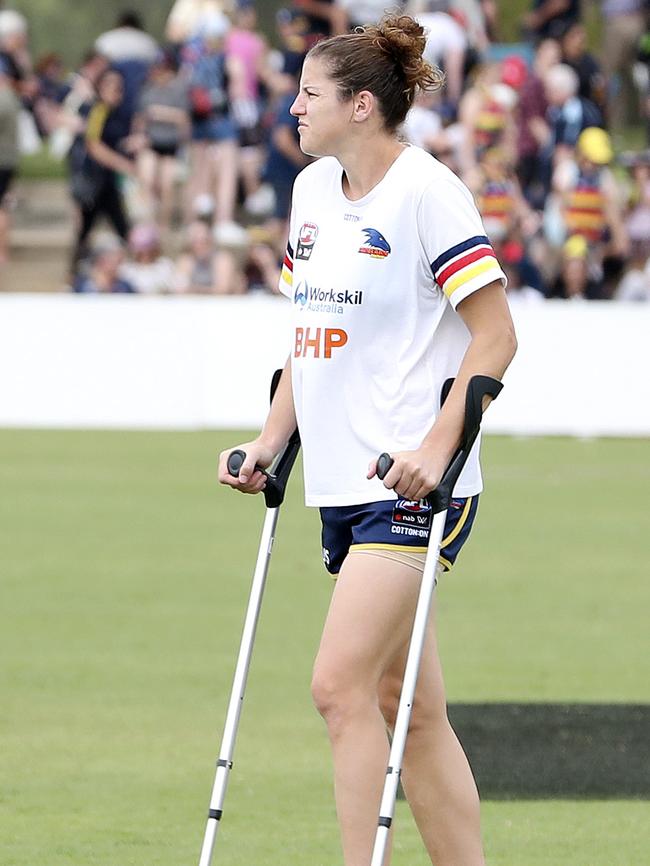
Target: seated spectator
point(524, 283)
point(505, 212)
point(146, 269)
point(635, 284)
point(9, 111)
point(204, 268)
point(589, 198)
point(163, 120)
point(574, 281)
point(637, 216)
point(263, 265)
point(487, 114)
point(568, 113)
point(103, 274)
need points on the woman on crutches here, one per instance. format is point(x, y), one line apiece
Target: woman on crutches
point(395, 288)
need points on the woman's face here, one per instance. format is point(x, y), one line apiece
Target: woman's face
point(111, 89)
point(324, 120)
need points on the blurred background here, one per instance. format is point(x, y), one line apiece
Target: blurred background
point(147, 156)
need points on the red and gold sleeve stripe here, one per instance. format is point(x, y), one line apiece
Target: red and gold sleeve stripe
point(286, 276)
point(467, 265)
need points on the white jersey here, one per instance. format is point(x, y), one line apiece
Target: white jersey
point(374, 285)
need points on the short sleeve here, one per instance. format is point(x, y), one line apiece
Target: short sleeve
point(458, 251)
point(286, 274)
point(96, 122)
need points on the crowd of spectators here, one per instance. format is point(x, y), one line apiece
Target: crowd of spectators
point(188, 151)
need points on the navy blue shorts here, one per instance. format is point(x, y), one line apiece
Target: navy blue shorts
point(400, 524)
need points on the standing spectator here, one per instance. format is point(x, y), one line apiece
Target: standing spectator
point(14, 51)
point(285, 160)
point(533, 132)
point(186, 17)
point(324, 18)
point(9, 111)
point(591, 82)
point(95, 178)
point(163, 119)
point(250, 51)
point(216, 82)
point(51, 93)
point(548, 19)
point(361, 12)
point(132, 52)
point(73, 113)
point(291, 28)
point(446, 47)
point(17, 63)
point(624, 23)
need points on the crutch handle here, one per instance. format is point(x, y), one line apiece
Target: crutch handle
point(477, 388)
point(236, 461)
point(276, 481)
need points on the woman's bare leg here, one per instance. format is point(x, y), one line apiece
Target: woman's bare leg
point(436, 776)
point(366, 628)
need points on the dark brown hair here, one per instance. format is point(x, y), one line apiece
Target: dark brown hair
point(385, 59)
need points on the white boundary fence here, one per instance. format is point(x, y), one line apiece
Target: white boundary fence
point(583, 369)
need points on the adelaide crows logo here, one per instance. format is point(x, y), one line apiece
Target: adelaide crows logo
point(375, 244)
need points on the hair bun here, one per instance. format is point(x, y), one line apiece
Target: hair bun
point(402, 38)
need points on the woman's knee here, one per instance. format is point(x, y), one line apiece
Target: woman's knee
point(429, 707)
point(336, 695)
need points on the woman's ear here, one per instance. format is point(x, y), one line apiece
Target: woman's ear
point(364, 104)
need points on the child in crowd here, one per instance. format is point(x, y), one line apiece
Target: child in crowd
point(147, 269)
point(203, 268)
point(103, 275)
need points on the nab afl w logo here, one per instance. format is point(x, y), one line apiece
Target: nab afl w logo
point(306, 241)
point(376, 246)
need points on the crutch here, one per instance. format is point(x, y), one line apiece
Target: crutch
point(478, 388)
point(274, 495)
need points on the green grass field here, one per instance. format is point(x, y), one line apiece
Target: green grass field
point(125, 571)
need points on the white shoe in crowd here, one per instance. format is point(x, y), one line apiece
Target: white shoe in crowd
point(261, 202)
